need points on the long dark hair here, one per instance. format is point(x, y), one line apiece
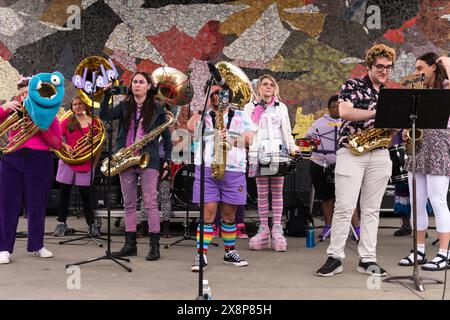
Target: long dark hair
point(73, 123)
point(439, 74)
point(147, 107)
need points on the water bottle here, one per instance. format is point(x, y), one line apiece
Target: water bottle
point(206, 290)
point(310, 236)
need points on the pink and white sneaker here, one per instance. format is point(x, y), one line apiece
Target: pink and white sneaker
point(216, 231)
point(279, 242)
point(261, 240)
point(240, 231)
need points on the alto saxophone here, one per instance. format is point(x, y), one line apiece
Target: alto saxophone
point(221, 148)
point(369, 139)
point(125, 157)
point(419, 132)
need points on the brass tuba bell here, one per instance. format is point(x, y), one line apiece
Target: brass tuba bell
point(92, 64)
point(174, 87)
point(237, 82)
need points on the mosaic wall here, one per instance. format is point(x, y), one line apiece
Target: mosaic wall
point(309, 46)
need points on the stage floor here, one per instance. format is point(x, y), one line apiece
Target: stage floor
point(270, 275)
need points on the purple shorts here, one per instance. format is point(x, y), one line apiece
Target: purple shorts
point(231, 189)
point(67, 175)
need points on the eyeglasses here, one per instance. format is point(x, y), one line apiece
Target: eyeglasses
point(270, 84)
point(381, 67)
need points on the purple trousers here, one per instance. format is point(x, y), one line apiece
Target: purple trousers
point(26, 177)
point(149, 187)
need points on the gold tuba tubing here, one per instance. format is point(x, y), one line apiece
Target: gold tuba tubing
point(92, 64)
point(82, 150)
point(237, 82)
point(25, 127)
point(174, 86)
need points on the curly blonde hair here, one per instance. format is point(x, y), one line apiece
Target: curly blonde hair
point(380, 50)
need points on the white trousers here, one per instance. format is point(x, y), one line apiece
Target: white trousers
point(369, 174)
point(434, 188)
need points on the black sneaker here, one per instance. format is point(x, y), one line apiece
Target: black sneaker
point(331, 267)
point(371, 268)
point(196, 265)
point(61, 230)
point(233, 257)
point(405, 230)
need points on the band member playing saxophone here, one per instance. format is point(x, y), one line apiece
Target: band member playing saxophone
point(26, 170)
point(76, 127)
point(139, 115)
point(432, 170)
point(225, 183)
point(367, 173)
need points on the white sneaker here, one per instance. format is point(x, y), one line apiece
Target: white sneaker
point(4, 257)
point(43, 253)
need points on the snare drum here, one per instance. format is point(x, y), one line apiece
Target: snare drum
point(398, 156)
point(275, 166)
point(305, 146)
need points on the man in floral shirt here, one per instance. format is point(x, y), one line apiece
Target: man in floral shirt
point(368, 173)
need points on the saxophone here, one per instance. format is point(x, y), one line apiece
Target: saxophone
point(221, 149)
point(369, 139)
point(125, 157)
point(419, 132)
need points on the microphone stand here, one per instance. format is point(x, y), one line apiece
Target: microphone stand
point(108, 255)
point(202, 190)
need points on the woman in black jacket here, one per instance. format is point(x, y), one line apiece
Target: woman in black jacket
point(139, 114)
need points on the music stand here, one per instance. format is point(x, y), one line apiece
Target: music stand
point(108, 254)
point(413, 108)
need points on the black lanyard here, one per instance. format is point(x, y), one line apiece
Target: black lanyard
point(230, 117)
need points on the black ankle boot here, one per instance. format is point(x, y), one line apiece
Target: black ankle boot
point(129, 248)
point(405, 230)
point(154, 247)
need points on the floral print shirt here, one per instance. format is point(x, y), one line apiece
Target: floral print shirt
point(363, 95)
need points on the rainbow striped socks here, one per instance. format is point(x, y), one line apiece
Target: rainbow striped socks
point(228, 233)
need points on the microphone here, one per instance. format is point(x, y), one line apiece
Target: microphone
point(216, 74)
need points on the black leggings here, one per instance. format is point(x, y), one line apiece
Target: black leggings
point(85, 193)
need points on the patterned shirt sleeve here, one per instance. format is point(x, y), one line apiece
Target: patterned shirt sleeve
point(347, 92)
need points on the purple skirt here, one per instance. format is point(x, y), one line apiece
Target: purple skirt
point(67, 175)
